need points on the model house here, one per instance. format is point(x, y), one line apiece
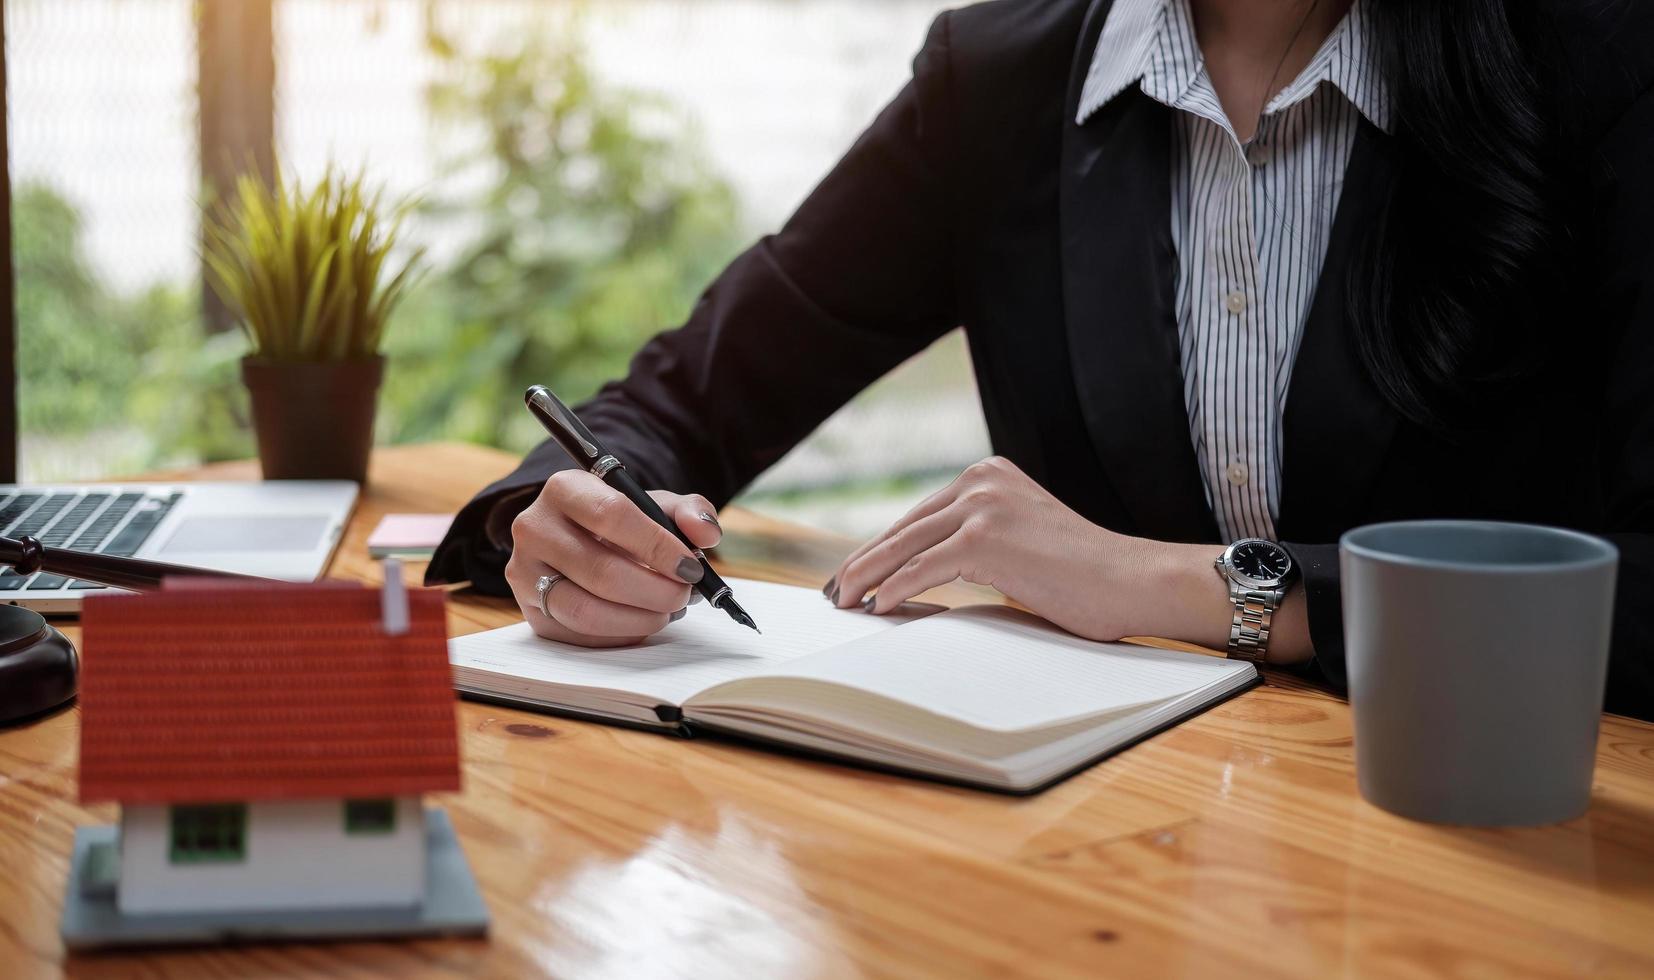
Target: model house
point(268, 746)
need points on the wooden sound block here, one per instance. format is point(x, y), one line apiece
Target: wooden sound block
point(38, 665)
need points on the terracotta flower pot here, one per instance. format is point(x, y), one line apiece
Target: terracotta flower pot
point(314, 421)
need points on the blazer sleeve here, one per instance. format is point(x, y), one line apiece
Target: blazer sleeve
point(1621, 259)
point(859, 279)
point(1623, 249)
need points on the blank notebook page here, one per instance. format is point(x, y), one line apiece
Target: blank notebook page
point(704, 648)
point(1002, 670)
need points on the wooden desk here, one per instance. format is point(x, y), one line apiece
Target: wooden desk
point(1233, 845)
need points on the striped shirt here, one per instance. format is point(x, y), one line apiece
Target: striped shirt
point(1250, 224)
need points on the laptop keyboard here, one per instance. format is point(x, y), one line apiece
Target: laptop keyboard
point(100, 521)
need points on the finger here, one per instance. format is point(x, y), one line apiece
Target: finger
point(576, 609)
point(677, 583)
point(884, 559)
point(926, 570)
point(551, 629)
point(925, 508)
point(591, 615)
point(605, 512)
point(522, 573)
point(604, 571)
point(694, 515)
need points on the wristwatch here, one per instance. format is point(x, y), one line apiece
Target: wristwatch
point(1259, 573)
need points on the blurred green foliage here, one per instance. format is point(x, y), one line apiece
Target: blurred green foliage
point(597, 221)
point(591, 221)
point(132, 369)
point(79, 345)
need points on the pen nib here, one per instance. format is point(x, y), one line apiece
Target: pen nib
point(729, 605)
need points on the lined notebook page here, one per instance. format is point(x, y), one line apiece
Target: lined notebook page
point(1001, 670)
point(704, 648)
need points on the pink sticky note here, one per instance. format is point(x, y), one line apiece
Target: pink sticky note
point(408, 534)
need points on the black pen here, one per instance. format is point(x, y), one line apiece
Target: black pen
point(583, 448)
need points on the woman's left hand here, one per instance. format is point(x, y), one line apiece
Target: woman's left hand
point(995, 526)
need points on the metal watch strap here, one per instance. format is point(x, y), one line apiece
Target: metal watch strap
point(1249, 633)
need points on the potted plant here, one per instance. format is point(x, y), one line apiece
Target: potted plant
point(308, 274)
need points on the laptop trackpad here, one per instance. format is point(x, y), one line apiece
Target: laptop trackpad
point(285, 532)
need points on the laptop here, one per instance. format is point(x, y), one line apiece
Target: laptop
point(283, 529)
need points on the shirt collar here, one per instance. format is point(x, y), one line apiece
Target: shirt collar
point(1153, 42)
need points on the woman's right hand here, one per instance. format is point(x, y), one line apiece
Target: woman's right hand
point(625, 577)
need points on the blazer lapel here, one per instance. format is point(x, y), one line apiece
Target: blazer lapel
point(1337, 426)
point(1118, 299)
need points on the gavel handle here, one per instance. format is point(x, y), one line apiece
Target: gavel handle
point(27, 555)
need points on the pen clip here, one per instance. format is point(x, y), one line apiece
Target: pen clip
point(542, 400)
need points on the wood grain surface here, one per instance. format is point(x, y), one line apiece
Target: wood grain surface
point(1233, 845)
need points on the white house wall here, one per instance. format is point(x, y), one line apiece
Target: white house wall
point(297, 856)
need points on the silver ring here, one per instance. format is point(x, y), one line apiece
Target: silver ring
point(542, 589)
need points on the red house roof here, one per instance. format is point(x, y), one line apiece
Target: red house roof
point(230, 693)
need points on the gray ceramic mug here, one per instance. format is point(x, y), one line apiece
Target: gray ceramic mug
point(1477, 655)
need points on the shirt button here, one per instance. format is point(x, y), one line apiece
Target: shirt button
point(1257, 155)
point(1235, 301)
point(1237, 474)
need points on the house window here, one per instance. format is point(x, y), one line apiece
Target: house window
point(209, 833)
point(370, 816)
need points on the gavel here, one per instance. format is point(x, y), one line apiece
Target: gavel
point(38, 665)
point(27, 555)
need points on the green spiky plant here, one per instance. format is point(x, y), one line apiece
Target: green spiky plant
point(305, 270)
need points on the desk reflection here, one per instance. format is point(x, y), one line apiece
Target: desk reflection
point(691, 905)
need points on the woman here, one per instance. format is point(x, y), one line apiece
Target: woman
point(1229, 270)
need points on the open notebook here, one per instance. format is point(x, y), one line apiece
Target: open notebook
point(982, 695)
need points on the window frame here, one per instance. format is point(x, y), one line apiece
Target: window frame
point(363, 817)
point(8, 304)
point(215, 833)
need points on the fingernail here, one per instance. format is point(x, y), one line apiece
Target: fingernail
point(678, 615)
point(872, 600)
point(707, 517)
point(831, 587)
point(690, 570)
point(694, 597)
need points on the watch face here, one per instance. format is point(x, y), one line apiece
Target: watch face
point(1260, 560)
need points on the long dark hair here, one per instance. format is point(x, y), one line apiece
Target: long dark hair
point(1447, 300)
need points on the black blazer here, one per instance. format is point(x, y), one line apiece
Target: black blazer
point(974, 200)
